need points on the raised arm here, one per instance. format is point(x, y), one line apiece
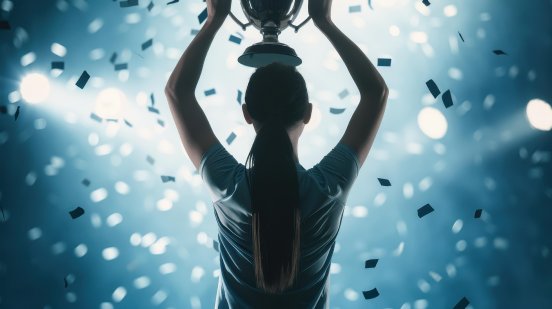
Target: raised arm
point(194, 129)
point(363, 126)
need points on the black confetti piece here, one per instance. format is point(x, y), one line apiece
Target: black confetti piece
point(128, 3)
point(147, 44)
point(337, 111)
point(128, 123)
point(150, 6)
point(5, 25)
point(499, 52)
point(121, 66)
point(153, 109)
point(194, 31)
point(424, 210)
point(426, 2)
point(384, 182)
point(173, 1)
point(113, 58)
point(85, 182)
point(343, 94)
point(216, 245)
point(210, 92)
point(83, 79)
point(478, 213)
point(202, 16)
point(373, 293)
point(3, 109)
point(462, 304)
point(166, 179)
point(17, 113)
point(432, 86)
point(371, 263)
point(354, 8)
point(77, 212)
point(235, 39)
point(447, 99)
point(239, 98)
point(161, 122)
point(96, 117)
point(60, 65)
point(370, 4)
point(150, 160)
point(152, 99)
point(231, 138)
point(384, 62)
point(3, 216)
point(65, 284)
point(461, 37)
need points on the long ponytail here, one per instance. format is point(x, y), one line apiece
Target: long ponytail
point(277, 99)
point(275, 206)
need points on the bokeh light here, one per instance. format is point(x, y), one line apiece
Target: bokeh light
point(35, 88)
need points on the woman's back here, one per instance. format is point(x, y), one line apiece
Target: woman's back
point(323, 193)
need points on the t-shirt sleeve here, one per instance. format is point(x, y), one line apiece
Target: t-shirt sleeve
point(218, 169)
point(338, 171)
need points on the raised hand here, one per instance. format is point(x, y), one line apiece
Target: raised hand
point(320, 10)
point(218, 10)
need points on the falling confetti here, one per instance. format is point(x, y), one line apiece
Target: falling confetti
point(77, 212)
point(384, 182)
point(83, 79)
point(424, 210)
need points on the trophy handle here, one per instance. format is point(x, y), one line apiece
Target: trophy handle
point(242, 25)
point(296, 28)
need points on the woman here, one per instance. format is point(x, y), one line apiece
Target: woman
point(277, 221)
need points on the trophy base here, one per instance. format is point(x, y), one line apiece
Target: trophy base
point(265, 53)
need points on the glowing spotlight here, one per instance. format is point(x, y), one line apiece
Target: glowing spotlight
point(539, 114)
point(110, 103)
point(432, 122)
point(35, 88)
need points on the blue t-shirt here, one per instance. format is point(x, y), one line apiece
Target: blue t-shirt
point(323, 193)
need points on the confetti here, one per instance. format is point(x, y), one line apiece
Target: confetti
point(194, 31)
point(150, 6)
point(337, 111)
point(235, 39)
point(60, 65)
point(113, 58)
point(343, 94)
point(121, 66)
point(147, 44)
point(161, 122)
point(370, 4)
point(128, 123)
point(373, 293)
point(166, 179)
point(216, 245)
point(384, 62)
point(384, 182)
point(17, 113)
point(463, 303)
point(478, 213)
point(96, 117)
point(231, 138)
point(85, 182)
point(3, 109)
point(354, 8)
point(426, 2)
point(152, 99)
point(499, 52)
point(202, 16)
point(3, 216)
point(5, 25)
point(447, 99)
point(128, 3)
point(150, 160)
point(371, 263)
point(65, 284)
point(153, 109)
point(435, 92)
point(461, 37)
point(424, 210)
point(77, 212)
point(239, 97)
point(210, 92)
point(83, 80)
point(173, 1)
point(112, 120)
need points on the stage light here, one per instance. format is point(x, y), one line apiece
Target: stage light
point(539, 114)
point(110, 103)
point(432, 123)
point(35, 88)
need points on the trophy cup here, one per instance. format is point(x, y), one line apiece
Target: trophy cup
point(271, 17)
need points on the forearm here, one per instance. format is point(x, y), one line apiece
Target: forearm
point(365, 75)
point(185, 76)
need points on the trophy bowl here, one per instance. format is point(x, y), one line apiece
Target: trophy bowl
point(270, 17)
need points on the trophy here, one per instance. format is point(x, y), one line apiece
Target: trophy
point(271, 17)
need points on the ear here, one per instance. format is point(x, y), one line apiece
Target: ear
point(246, 115)
point(308, 114)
